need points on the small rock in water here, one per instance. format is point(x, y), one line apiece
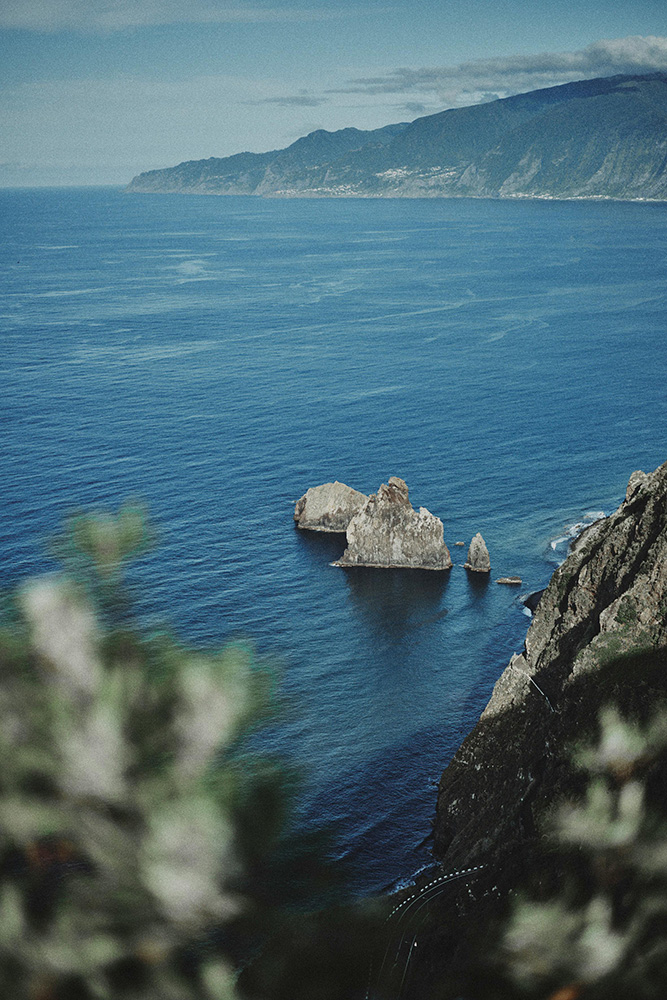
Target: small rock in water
point(512, 580)
point(459, 543)
point(478, 556)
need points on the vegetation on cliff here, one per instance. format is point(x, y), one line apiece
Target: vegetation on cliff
point(600, 138)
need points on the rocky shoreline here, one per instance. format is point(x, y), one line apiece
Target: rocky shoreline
point(608, 599)
point(598, 636)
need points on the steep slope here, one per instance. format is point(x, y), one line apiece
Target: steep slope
point(607, 600)
point(258, 173)
point(603, 138)
point(584, 149)
point(598, 638)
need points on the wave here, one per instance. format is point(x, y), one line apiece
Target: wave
point(62, 293)
point(561, 544)
point(408, 881)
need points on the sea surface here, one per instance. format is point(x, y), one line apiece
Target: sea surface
point(217, 356)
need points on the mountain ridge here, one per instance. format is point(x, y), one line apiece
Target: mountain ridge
point(599, 139)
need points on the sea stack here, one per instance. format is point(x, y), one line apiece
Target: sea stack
point(478, 556)
point(329, 507)
point(387, 532)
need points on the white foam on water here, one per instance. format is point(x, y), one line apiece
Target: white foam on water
point(124, 353)
point(199, 278)
point(572, 531)
point(410, 880)
point(62, 293)
point(413, 312)
point(354, 397)
point(189, 267)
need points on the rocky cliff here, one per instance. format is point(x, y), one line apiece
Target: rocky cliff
point(598, 638)
point(604, 138)
point(607, 600)
point(388, 532)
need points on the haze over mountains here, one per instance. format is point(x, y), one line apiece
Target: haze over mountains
point(604, 138)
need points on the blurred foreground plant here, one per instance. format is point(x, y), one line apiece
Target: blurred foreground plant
point(606, 934)
point(140, 852)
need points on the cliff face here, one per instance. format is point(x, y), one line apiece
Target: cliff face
point(607, 600)
point(604, 138)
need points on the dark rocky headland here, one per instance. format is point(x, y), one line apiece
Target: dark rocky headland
point(598, 637)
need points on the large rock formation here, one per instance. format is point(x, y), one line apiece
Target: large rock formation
point(329, 507)
point(607, 600)
point(598, 636)
point(478, 556)
point(387, 532)
point(601, 138)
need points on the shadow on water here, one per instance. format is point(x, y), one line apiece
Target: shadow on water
point(322, 546)
point(398, 600)
point(394, 600)
point(478, 585)
point(393, 797)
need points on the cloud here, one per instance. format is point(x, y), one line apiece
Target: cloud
point(481, 80)
point(415, 108)
point(300, 100)
point(101, 15)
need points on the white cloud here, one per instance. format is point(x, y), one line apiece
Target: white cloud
point(485, 79)
point(117, 15)
point(301, 100)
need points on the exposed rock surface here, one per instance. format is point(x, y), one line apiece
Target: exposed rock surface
point(512, 581)
point(329, 507)
point(531, 601)
point(601, 138)
point(387, 532)
point(608, 599)
point(478, 556)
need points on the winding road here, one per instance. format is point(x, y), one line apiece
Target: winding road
point(404, 927)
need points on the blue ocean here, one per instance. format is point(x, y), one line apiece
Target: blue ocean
point(215, 357)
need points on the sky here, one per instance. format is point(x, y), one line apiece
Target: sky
point(96, 91)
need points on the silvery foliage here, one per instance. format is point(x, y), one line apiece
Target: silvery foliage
point(574, 946)
point(115, 803)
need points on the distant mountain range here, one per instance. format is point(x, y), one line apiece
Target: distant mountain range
point(604, 138)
